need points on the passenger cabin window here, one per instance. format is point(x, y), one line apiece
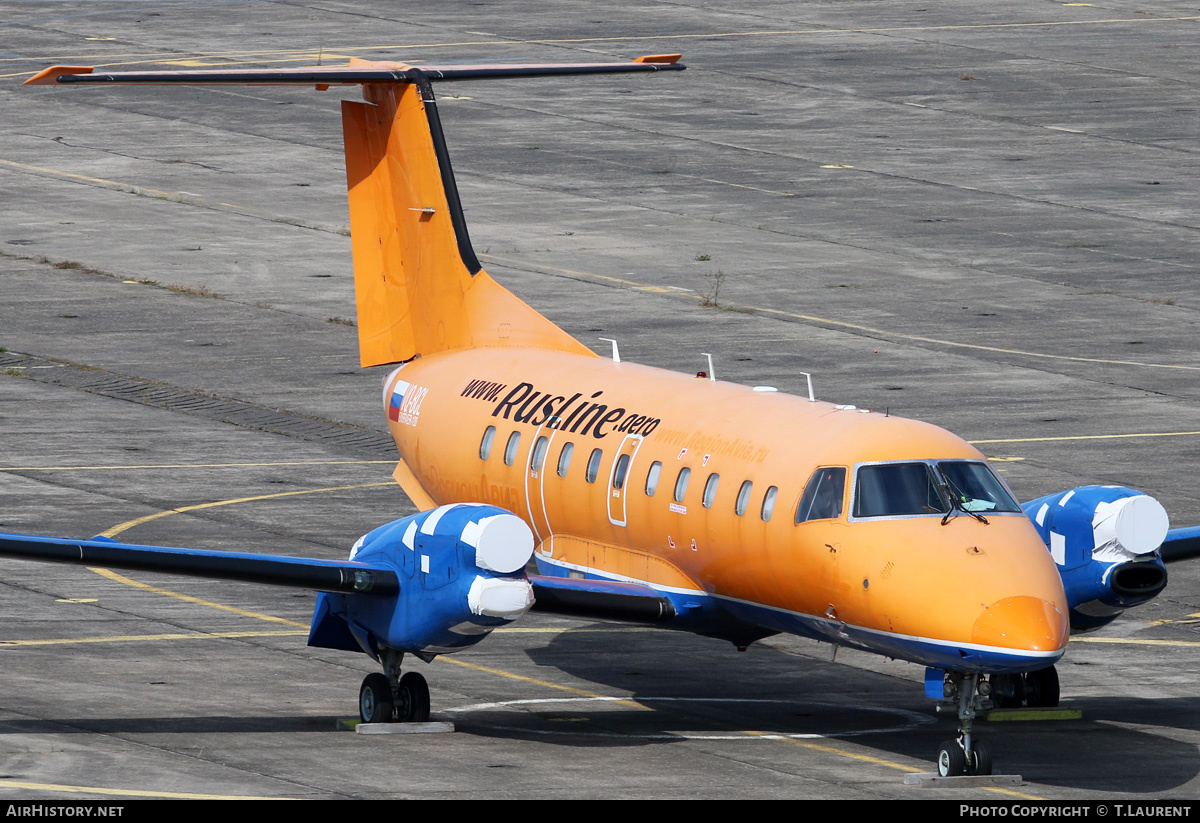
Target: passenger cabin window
point(898, 489)
point(681, 483)
point(593, 466)
point(743, 498)
point(619, 472)
point(564, 459)
point(539, 453)
point(485, 445)
point(822, 498)
point(768, 506)
point(652, 478)
point(510, 449)
point(710, 490)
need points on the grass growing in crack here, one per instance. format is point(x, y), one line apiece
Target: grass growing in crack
point(195, 291)
point(708, 299)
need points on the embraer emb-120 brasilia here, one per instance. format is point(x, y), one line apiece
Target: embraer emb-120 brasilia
point(646, 495)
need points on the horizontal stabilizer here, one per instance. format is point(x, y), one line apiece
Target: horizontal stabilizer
point(1181, 544)
point(351, 75)
point(601, 599)
point(301, 572)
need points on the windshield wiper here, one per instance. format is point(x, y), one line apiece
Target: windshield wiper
point(957, 498)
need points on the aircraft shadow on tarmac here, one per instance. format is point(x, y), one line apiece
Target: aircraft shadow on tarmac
point(702, 688)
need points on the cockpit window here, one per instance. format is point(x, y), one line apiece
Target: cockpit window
point(822, 498)
point(906, 489)
point(975, 488)
point(892, 489)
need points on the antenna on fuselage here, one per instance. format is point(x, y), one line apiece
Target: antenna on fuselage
point(811, 397)
point(616, 354)
point(712, 375)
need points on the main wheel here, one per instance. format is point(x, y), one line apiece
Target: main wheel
point(1041, 688)
point(980, 760)
point(412, 699)
point(375, 699)
point(952, 761)
point(1008, 691)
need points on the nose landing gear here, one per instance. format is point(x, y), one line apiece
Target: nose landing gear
point(965, 755)
point(390, 697)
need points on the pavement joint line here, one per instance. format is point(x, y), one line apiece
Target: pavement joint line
point(868, 331)
point(226, 410)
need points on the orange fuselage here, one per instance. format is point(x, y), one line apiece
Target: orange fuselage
point(962, 582)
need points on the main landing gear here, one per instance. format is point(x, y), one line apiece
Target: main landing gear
point(1034, 689)
point(390, 697)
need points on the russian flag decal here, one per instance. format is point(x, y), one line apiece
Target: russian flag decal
point(398, 392)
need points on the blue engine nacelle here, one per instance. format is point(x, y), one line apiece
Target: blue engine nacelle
point(462, 574)
point(1104, 540)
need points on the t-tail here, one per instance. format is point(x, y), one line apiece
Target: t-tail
point(419, 286)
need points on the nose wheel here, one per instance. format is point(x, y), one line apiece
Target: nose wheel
point(955, 761)
point(390, 697)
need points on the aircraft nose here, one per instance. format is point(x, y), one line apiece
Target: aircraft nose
point(1022, 623)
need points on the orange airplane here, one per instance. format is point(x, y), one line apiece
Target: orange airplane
point(646, 495)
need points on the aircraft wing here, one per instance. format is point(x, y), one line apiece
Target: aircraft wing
point(359, 71)
point(323, 575)
point(1181, 544)
point(601, 599)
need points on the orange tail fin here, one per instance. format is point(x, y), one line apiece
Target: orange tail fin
point(420, 288)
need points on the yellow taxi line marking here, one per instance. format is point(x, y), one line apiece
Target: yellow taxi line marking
point(546, 683)
point(289, 633)
point(303, 631)
point(474, 666)
point(1138, 642)
point(525, 264)
point(565, 630)
point(120, 578)
point(1012, 793)
point(137, 521)
point(878, 761)
point(98, 180)
point(129, 524)
point(193, 466)
point(59, 787)
point(139, 638)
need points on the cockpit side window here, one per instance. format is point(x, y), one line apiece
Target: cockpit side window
point(822, 498)
point(894, 489)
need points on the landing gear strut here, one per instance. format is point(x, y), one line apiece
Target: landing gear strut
point(965, 754)
point(388, 697)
